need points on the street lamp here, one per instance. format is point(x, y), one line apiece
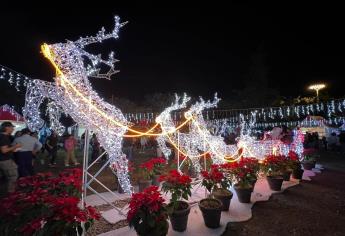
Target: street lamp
point(317, 87)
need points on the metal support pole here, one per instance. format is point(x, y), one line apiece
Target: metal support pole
point(84, 177)
point(178, 151)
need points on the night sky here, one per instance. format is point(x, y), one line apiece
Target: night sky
point(198, 50)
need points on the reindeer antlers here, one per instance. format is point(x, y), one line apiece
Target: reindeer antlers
point(101, 35)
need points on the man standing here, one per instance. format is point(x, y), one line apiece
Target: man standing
point(25, 155)
point(52, 147)
point(7, 165)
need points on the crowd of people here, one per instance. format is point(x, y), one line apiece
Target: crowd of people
point(18, 152)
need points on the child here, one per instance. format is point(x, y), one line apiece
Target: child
point(69, 145)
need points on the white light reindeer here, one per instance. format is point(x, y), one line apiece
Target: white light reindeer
point(73, 93)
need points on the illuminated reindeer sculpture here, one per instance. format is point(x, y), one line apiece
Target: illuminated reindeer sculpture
point(72, 92)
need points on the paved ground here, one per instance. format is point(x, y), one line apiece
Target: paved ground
point(311, 208)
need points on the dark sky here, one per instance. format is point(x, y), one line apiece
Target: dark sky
point(199, 49)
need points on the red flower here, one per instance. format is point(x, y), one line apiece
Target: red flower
point(244, 171)
point(215, 178)
point(293, 156)
point(43, 199)
point(178, 184)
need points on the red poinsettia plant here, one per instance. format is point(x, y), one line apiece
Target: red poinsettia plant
point(293, 161)
point(46, 205)
point(244, 172)
point(159, 164)
point(274, 165)
point(179, 185)
point(214, 179)
point(147, 212)
point(146, 170)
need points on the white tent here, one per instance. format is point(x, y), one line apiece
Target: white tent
point(317, 124)
point(7, 113)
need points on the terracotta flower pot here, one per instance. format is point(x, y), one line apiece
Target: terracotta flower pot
point(211, 209)
point(144, 184)
point(179, 218)
point(297, 173)
point(275, 182)
point(224, 196)
point(286, 175)
point(243, 194)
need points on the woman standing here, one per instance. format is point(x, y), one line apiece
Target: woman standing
point(69, 145)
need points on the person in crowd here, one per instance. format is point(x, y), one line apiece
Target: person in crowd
point(333, 142)
point(69, 145)
point(7, 165)
point(316, 140)
point(29, 147)
point(96, 147)
point(143, 143)
point(43, 139)
point(342, 141)
point(17, 134)
point(52, 147)
point(324, 142)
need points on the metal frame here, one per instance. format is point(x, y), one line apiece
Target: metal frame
point(88, 178)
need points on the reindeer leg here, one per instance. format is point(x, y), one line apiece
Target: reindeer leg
point(119, 166)
point(33, 99)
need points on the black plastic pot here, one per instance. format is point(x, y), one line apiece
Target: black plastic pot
point(286, 175)
point(308, 165)
point(159, 230)
point(243, 194)
point(144, 184)
point(179, 218)
point(275, 182)
point(211, 214)
point(224, 196)
point(297, 174)
point(155, 180)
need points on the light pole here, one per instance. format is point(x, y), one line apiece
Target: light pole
point(317, 87)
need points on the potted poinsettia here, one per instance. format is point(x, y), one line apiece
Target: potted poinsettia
point(295, 164)
point(159, 164)
point(244, 172)
point(309, 160)
point(274, 166)
point(46, 205)
point(146, 174)
point(211, 208)
point(217, 184)
point(179, 186)
point(147, 213)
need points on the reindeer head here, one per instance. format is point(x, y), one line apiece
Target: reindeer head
point(174, 106)
point(71, 61)
point(198, 107)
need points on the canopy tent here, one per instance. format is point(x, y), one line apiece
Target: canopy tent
point(317, 124)
point(7, 113)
